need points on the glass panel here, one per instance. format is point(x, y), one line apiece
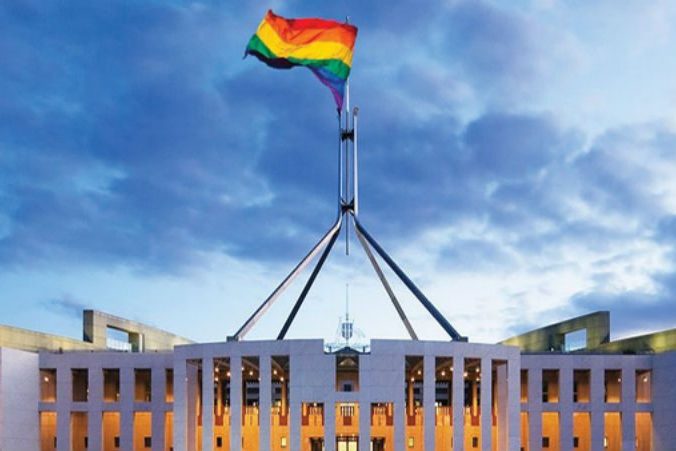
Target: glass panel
point(47, 431)
point(221, 403)
point(613, 386)
point(48, 385)
point(279, 417)
point(78, 431)
point(142, 385)
point(550, 385)
point(111, 385)
point(250, 402)
point(581, 386)
point(644, 386)
point(80, 385)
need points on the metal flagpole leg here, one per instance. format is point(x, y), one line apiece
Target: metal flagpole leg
point(260, 311)
point(355, 164)
point(308, 285)
point(436, 314)
point(388, 289)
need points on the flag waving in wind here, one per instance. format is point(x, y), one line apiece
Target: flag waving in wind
point(323, 46)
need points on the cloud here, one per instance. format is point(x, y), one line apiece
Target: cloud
point(66, 306)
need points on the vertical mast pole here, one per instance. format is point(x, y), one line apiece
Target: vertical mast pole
point(355, 164)
point(347, 162)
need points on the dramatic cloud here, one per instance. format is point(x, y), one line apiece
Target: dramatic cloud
point(134, 140)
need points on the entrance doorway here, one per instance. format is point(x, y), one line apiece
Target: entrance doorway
point(347, 443)
point(316, 444)
point(378, 444)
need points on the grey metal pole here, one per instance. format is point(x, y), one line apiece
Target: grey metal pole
point(436, 314)
point(308, 285)
point(355, 164)
point(260, 311)
point(386, 285)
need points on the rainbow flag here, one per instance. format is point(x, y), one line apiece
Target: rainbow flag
point(323, 46)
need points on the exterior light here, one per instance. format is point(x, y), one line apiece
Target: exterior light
point(250, 372)
point(275, 373)
point(645, 378)
point(443, 373)
point(217, 369)
point(465, 374)
point(413, 379)
point(228, 374)
point(281, 379)
point(419, 372)
point(477, 369)
point(46, 379)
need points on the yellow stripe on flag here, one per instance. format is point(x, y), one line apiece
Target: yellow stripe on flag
point(318, 50)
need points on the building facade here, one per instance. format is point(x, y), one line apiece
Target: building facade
point(138, 388)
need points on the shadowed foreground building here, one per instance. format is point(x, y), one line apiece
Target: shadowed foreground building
point(128, 386)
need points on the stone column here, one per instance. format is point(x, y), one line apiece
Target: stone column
point(486, 403)
point(535, 408)
point(429, 390)
point(502, 399)
point(64, 398)
point(265, 364)
point(207, 403)
point(180, 405)
point(235, 403)
point(514, 402)
point(458, 403)
point(597, 407)
point(127, 407)
point(158, 396)
point(95, 414)
point(192, 389)
point(566, 408)
point(628, 403)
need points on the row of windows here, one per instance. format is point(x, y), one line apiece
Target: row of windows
point(111, 385)
point(612, 385)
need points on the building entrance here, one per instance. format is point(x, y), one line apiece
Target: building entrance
point(378, 444)
point(347, 443)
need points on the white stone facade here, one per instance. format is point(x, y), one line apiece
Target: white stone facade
point(610, 405)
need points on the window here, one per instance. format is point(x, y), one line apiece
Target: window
point(219, 442)
point(550, 385)
point(475, 442)
point(576, 442)
point(643, 386)
point(169, 386)
point(613, 386)
point(116, 441)
point(347, 387)
point(524, 385)
point(147, 442)
point(48, 385)
point(111, 385)
point(80, 385)
point(545, 442)
point(142, 385)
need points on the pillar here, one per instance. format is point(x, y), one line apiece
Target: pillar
point(458, 403)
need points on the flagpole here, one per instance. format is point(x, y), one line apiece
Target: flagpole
point(347, 162)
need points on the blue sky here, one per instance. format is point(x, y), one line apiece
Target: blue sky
point(518, 159)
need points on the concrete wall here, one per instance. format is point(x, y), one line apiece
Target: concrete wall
point(143, 337)
point(552, 337)
point(565, 407)
point(19, 387)
point(127, 406)
point(28, 340)
point(664, 401)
